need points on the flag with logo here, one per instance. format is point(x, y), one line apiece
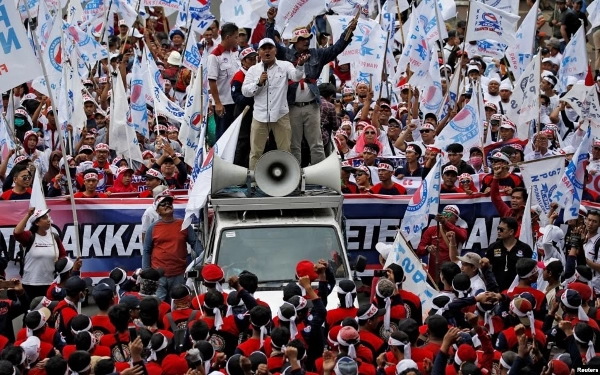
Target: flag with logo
point(584, 101)
point(487, 47)
point(6, 140)
point(45, 22)
point(125, 10)
point(94, 9)
point(201, 22)
point(192, 133)
point(574, 59)
point(347, 7)
point(520, 53)
point(31, 5)
point(432, 96)
point(122, 133)
point(570, 188)
point(138, 111)
point(447, 9)
point(487, 22)
point(453, 89)
point(543, 176)
point(464, 128)
point(593, 11)
point(225, 149)
point(88, 49)
point(415, 276)
point(430, 22)
point(191, 55)
point(424, 202)
point(416, 52)
point(510, 6)
point(527, 92)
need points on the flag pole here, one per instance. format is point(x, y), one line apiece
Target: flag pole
point(387, 44)
point(105, 22)
point(348, 32)
point(400, 23)
point(539, 67)
point(60, 133)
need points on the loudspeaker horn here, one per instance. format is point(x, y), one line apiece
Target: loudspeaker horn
point(225, 174)
point(277, 173)
point(326, 173)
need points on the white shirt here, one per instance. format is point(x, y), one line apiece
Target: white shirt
point(538, 155)
point(275, 88)
point(222, 66)
point(39, 261)
point(477, 284)
point(149, 217)
point(588, 247)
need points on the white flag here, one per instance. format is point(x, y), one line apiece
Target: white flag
point(415, 276)
point(19, 63)
point(37, 199)
point(138, 112)
point(464, 128)
point(520, 53)
point(574, 59)
point(432, 96)
point(292, 14)
point(584, 100)
point(191, 134)
point(45, 22)
point(416, 52)
point(225, 149)
point(348, 7)
point(191, 55)
point(486, 22)
point(87, 48)
point(424, 202)
point(526, 233)
point(241, 13)
point(593, 11)
point(510, 6)
point(543, 176)
point(122, 134)
point(447, 9)
point(527, 92)
point(428, 20)
point(570, 188)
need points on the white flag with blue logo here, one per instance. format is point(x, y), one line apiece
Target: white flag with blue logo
point(87, 48)
point(574, 59)
point(428, 17)
point(447, 9)
point(126, 12)
point(191, 55)
point(242, 13)
point(138, 111)
point(453, 89)
point(487, 22)
point(122, 133)
point(510, 6)
point(416, 52)
point(432, 96)
point(424, 202)
point(348, 7)
point(192, 134)
point(464, 128)
point(225, 149)
point(293, 13)
point(520, 53)
point(527, 92)
point(45, 22)
point(570, 188)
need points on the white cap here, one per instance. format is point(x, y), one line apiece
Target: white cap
point(506, 85)
point(384, 249)
point(265, 41)
point(405, 364)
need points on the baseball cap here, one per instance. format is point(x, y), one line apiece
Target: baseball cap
point(453, 209)
point(165, 195)
point(246, 52)
point(153, 173)
point(38, 214)
point(132, 302)
point(471, 258)
point(75, 284)
point(500, 156)
point(266, 41)
point(450, 169)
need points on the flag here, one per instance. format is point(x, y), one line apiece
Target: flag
point(527, 92)
point(416, 52)
point(387, 17)
point(19, 63)
point(31, 5)
point(192, 133)
point(37, 199)
point(292, 14)
point(122, 134)
point(584, 100)
point(526, 232)
point(125, 10)
point(348, 7)
point(415, 276)
point(487, 22)
point(424, 202)
point(87, 48)
point(94, 9)
point(453, 89)
point(191, 55)
point(45, 21)
point(241, 13)
point(574, 59)
point(570, 188)
point(74, 12)
point(431, 97)
point(593, 11)
point(162, 104)
point(510, 6)
point(519, 54)
point(225, 149)
point(201, 22)
point(428, 20)
point(487, 47)
point(464, 128)
point(447, 9)
point(6, 140)
point(542, 177)
point(138, 111)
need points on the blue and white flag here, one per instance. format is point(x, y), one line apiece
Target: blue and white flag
point(520, 53)
point(543, 176)
point(45, 22)
point(447, 9)
point(453, 90)
point(201, 22)
point(487, 22)
point(527, 92)
point(138, 112)
point(191, 54)
point(242, 13)
point(291, 14)
point(416, 52)
point(432, 96)
point(32, 5)
point(510, 6)
point(574, 60)
point(424, 202)
point(94, 9)
point(387, 17)
point(19, 63)
point(584, 101)
point(192, 133)
point(570, 188)
point(126, 12)
point(347, 7)
point(464, 128)
point(88, 49)
point(122, 133)
point(433, 28)
point(225, 149)
point(169, 5)
point(526, 232)
point(486, 47)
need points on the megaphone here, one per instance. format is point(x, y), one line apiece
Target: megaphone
point(277, 173)
point(326, 173)
point(226, 174)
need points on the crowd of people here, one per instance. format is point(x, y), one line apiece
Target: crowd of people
point(497, 311)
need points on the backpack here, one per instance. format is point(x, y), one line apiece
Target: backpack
point(181, 332)
point(23, 251)
point(59, 325)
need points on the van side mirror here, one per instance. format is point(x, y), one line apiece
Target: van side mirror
point(360, 264)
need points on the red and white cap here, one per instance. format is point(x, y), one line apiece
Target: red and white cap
point(22, 112)
point(596, 142)
point(37, 214)
point(451, 168)
point(87, 98)
point(124, 169)
point(172, 129)
point(153, 173)
point(453, 209)
point(103, 80)
point(500, 156)
point(347, 91)
point(86, 148)
point(247, 52)
point(427, 126)
point(147, 154)
point(102, 147)
point(508, 124)
point(29, 97)
point(161, 197)
point(29, 133)
point(122, 23)
point(491, 106)
point(161, 128)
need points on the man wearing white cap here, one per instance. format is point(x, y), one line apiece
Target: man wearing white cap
point(267, 83)
point(547, 86)
point(492, 94)
point(507, 106)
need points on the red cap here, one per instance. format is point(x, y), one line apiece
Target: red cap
point(332, 335)
point(584, 290)
point(465, 353)
point(306, 268)
point(212, 273)
point(559, 367)
point(174, 365)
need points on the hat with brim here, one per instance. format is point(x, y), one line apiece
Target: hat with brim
point(500, 156)
point(38, 214)
point(300, 32)
point(266, 42)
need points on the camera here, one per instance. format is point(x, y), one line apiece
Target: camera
point(380, 273)
point(192, 274)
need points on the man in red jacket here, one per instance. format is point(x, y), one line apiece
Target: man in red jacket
point(435, 241)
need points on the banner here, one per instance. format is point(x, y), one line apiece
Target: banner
point(543, 176)
point(415, 276)
point(18, 63)
point(574, 61)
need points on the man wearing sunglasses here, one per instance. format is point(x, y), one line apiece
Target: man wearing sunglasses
point(506, 180)
point(503, 254)
point(165, 246)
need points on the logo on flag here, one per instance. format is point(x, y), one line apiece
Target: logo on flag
point(421, 195)
point(55, 53)
point(196, 121)
point(430, 95)
point(489, 22)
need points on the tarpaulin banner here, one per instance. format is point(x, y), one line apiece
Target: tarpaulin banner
point(111, 236)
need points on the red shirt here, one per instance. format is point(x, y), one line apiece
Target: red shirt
point(47, 336)
point(199, 300)
point(146, 194)
point(396, 189)
point(101, 325)
point(81, 194)
point(169, 247)
point(179, 316)
point(66, 312)
point(10, 195)
point(249, 346)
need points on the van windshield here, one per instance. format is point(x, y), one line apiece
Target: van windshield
point(273, 252)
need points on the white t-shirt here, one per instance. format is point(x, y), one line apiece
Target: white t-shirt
point(39, 261)
point(149, 217)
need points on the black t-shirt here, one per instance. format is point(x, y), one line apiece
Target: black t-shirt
point(504, 262)
point(571, 21)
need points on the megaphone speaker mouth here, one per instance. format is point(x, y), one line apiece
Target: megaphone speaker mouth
point(277, 171)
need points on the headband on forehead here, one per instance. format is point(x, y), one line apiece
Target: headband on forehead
point(90, 176)
point(581, 314)
point(370, 150)
point(385, 166)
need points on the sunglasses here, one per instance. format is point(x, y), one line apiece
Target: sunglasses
point(500, 229)
point(465, 182)
point(425, 131)
point(447, 214)
point(394, 125)
point(369, 132)
point(26, 178)
point(495, 123)
point(359, 174)
point(165, 204)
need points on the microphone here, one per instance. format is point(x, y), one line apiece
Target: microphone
point(265, 67)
